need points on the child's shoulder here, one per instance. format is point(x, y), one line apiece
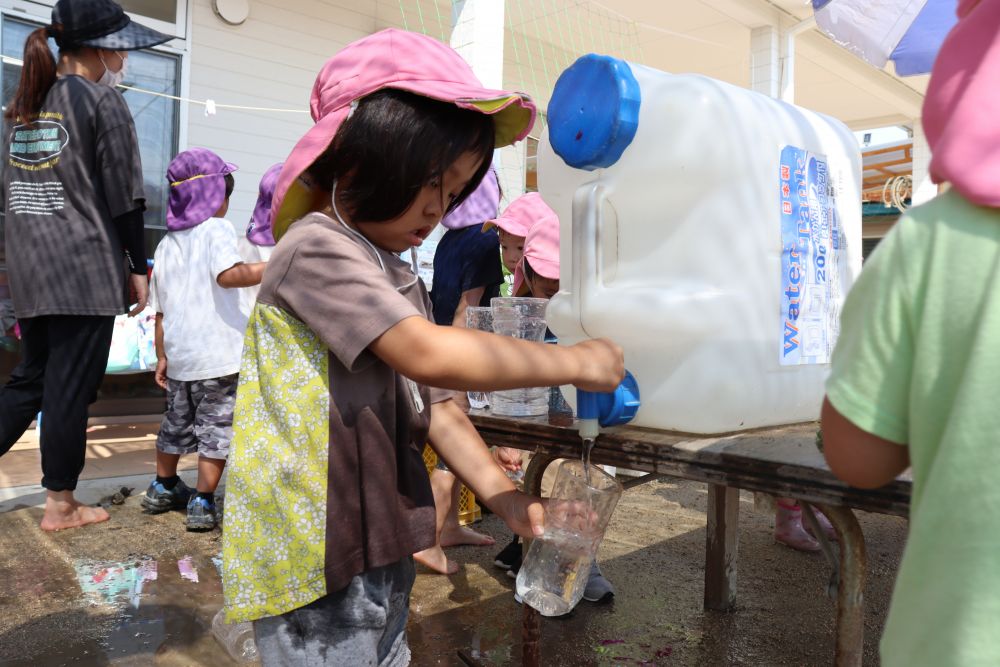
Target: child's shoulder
point(318, 232)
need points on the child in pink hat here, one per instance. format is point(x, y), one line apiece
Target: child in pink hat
point(199, 332)
point(513, 225)
point(345, 377)
point(914, 373)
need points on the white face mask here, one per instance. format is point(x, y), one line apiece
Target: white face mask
point(113, 79)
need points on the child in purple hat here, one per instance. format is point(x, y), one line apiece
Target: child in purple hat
point(200, 322)
point(258, 242)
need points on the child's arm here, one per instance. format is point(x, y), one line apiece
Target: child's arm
point(161, 356)
point(456, 441)
point(242, 275)
point(858, 457)
point(468, 298)
point(465, 359)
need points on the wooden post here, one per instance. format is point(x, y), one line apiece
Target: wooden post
point(721, 547)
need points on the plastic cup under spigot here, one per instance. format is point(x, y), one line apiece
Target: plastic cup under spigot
point(555, 570)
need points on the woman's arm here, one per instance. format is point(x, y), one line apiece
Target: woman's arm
point(465, 359)
point(858, 457)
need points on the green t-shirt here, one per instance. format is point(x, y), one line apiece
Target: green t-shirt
point(918, 363)
point(507, 286)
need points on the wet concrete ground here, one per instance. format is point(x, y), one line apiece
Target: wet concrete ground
point(140, 590)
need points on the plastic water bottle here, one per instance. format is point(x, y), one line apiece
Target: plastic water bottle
point(236, 638)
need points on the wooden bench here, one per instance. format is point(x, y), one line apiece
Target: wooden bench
point(783, 462)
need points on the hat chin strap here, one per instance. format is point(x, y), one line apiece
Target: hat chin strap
point(364, 239)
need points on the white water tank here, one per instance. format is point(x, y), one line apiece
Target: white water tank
point(711, 231)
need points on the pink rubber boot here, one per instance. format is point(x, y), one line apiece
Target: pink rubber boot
point(824, 525)
point(788, 528)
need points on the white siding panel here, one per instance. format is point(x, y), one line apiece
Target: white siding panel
point(269, 61)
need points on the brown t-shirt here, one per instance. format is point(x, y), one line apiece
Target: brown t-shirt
point(377, 500)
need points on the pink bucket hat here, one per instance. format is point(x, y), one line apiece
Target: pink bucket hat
point(389, 59)
point(259, 229)
point(197, 187)
point(522, 214)
point(479, 207)
point(963, 103)
point(541, 248)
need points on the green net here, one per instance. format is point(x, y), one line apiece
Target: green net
point(541, 37)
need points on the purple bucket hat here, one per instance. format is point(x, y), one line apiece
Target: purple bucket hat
point(259, 229)
point(197, 187)
point(482, 205)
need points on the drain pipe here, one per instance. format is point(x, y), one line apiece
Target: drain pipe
point(787, 88)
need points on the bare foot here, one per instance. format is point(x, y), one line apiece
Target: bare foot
point(452, 536)
point(62, 515)
point(435, 559)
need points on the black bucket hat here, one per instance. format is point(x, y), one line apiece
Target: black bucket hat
point(100, 24)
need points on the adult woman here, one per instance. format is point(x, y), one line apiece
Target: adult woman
point(72, 194)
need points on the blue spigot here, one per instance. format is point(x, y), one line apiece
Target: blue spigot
point(598, 409)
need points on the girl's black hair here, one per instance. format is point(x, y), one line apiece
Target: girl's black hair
point(529, 273)
point(230, 185)
point(394, 144)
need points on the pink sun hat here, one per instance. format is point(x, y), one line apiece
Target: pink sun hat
point(389, 59)
point(478, 207)
point(541, 249)
point(963, 103)
point(197, 180)
point(522, 214)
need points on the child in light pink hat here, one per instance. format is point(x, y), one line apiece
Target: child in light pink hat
point(914, 373)
point(345, 377)
point(513, 225)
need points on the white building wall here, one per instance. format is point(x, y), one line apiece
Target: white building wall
point(271, 60)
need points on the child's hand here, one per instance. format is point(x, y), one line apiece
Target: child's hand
point(523, 513)
point(508, 458)
point(161, 372)
point(602, 365)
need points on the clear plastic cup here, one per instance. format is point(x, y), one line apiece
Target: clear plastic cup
point(480, 318)
point(236, 638)
point(518, 306)
point(555, 570)
point(530, 401)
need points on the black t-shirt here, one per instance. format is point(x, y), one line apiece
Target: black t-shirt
point(64, 180)
point(464, 260)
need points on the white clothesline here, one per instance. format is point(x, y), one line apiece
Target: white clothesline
point(210, 105)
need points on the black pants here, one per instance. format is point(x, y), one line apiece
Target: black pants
point(65, 357)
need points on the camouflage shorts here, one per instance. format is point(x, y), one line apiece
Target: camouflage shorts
point(199, 417)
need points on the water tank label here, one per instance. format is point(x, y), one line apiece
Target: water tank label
point(811, 245)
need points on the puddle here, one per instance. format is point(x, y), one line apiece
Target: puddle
point(141, 611)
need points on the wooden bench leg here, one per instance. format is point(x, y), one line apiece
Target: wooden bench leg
point(721, 547)
point(531, 628)
point(850, 591)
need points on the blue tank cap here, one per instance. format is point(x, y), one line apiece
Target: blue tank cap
point(614, 409)
point(594, 112)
